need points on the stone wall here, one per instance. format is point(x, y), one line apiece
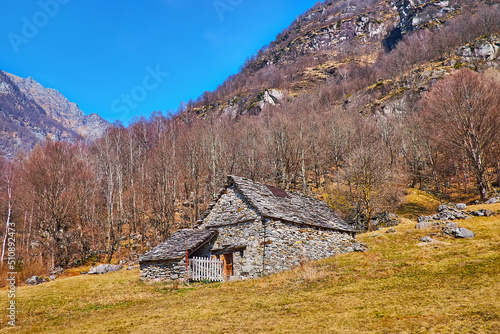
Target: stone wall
point(231, 208)
point(172, 270)
point(249, 234)
point(286, 245)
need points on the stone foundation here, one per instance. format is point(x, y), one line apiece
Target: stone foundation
point(172, 270)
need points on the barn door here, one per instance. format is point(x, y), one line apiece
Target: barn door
point(228, 265)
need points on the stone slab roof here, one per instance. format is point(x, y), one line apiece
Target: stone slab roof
point(176, 246)
point(292, 207)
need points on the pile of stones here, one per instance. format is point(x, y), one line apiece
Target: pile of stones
point(444, 220)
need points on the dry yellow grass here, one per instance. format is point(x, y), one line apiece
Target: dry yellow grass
point(418, 203)
point(396, 287)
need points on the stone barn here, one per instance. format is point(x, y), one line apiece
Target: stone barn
point(254, 230)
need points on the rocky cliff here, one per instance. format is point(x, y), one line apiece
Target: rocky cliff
point(29, 113)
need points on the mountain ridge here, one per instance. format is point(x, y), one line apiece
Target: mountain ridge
point(30, 113)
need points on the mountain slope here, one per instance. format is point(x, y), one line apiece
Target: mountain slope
point(345, 47)
point(29, 113)
point(400, 285)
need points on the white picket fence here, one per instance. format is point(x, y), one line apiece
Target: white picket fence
point(204, 268)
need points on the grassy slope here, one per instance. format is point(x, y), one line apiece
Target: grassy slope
point(398, 286)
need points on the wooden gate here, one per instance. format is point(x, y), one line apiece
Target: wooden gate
point(204, 268)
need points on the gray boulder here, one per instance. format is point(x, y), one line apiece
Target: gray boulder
point(423, 219)
point(461, 232)
point(426, 239)
point(443, 208)
point(450, 225)
point(461, 206)
point(34, 280)
point(493, 200)
point(482, 213)
point(52, 277)
point(104, 269)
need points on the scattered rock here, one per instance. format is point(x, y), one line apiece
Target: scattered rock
point(447, 213)
point(132, 267)
point(482, 213)
point(375, 235)
point(52, 277)
point(443, 207)
point(448, 227)
point(104, 269)
point(75, 263)
point(426, 239)
point(493, 200)
point(83, 273)
point(34, 280)
point(461, 206)
point(391, 230)
point(424, 219)
point(360, 247)
point(461, 232)
point(57, 271)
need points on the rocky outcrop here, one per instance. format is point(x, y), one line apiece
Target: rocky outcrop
point(245, 104)
point(484, 49)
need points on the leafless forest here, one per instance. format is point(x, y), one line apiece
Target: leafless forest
point(132, 188)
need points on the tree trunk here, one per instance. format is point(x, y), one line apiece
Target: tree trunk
point(9, 194)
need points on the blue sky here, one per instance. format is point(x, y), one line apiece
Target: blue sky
point(127, 58)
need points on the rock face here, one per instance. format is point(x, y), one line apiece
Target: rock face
point(486, 48)
point(104, 269)
point(29, 113)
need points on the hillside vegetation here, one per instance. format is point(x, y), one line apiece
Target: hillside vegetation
point(399, 286)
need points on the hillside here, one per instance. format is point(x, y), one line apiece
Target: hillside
point(346, 47)
point(399, 286)
point(31, 113)
point(353, 104)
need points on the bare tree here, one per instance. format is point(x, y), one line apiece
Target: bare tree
point(462, 114)
point(7, 170)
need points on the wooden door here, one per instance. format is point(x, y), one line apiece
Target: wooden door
point(228, 265)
